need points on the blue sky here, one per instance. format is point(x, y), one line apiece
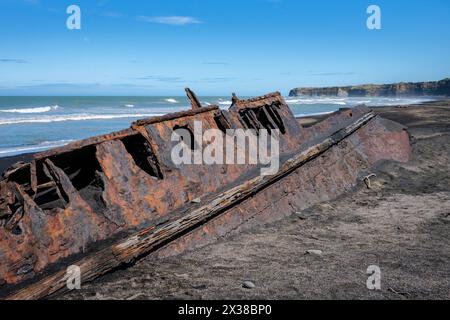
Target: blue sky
point(216, 47)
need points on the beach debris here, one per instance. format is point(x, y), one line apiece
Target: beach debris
point(136, 296)
point(326, 206)
point(112, 199)
point(398, 292)
point(200, 287)
point(314, 252)
point(248, 285)
point(300, 215)
point(367, 181)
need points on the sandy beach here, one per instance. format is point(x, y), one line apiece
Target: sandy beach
point(401, 224)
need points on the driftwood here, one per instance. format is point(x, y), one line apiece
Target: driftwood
point(143, 242)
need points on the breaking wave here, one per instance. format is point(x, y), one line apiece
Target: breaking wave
point(33, 148)
point(339, 102)
point(224, 102)
point(76, 117)
point(171, 100)
point(32, 110)
point(303, 115)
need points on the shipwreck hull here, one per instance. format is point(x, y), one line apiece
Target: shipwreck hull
point(324, 178)
point(108, 200)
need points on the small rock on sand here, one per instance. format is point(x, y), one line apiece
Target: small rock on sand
point(200, 287)
point(137, 296)
point(300, 215)
point(248, 285)
point(196, 200)
point(314, 252)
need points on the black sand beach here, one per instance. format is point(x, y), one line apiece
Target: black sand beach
point(7, 162)
point(401, 225)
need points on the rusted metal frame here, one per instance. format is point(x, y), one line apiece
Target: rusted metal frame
point(154, 161)
point(272, 123)
point(63, 185)
point(221, 119)
point(273, 127)
point(173, 116)
point(14, 219)
point(275, 94)
point(84, 143)
point(16, 216)
point(246, 121)
point(47, 174)
point(136, 126)
point(143, 242)
point(252, 116)
point(47, 185)
point(7, 198)
point(18, 192)
point(16, 167)
point(33, 176)
point(272, 110)
point(259, 101)
point(50, 184)
point(195, 103)
point(243, 120)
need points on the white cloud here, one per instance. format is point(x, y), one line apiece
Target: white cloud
point(13, 60)
point(171, 20)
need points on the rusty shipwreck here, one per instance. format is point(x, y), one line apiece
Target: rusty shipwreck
point(104, 202)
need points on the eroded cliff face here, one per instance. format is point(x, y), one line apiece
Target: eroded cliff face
point(432, 88)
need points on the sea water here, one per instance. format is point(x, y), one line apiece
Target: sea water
point(31, 124)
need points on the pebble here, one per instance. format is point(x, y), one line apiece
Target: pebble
point(200, 287)
point(248, 285)
point(300, 215)
point(315, 252)
point(136, 296)
point(196, 200)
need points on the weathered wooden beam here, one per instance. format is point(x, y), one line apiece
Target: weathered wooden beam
point(143, 242)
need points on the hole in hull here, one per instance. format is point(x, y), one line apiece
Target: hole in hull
point(187, 136)
point(85, 173)
point(222, 122)
point(49, 198)
point(144, 157)
point(266, 117)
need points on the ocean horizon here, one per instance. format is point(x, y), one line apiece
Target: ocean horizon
point(37, 123)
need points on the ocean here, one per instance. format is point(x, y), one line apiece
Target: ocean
point(32, 124)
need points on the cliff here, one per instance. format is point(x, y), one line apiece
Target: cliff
point(432, 88)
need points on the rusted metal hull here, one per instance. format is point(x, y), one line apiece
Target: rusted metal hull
point(76, 200)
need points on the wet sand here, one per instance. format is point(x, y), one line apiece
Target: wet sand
point(401, 224)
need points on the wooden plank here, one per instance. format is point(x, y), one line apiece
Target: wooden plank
point(143, 242)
